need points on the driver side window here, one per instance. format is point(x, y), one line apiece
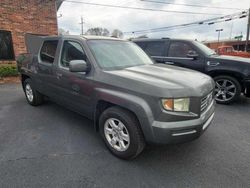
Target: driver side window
point(72, 51)
point(179, 49)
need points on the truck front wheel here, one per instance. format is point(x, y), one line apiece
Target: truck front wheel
point(33, 97)
point(227, 89)
point(121, 132)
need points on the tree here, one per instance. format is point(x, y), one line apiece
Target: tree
point(98, 31)
point(61, 31)
point(117, 33)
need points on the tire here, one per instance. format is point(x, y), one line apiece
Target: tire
point(33, 97)
point(134, 143)
point(227, 89)
point(247, 92)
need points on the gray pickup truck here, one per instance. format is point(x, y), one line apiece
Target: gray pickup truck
point(113, 82)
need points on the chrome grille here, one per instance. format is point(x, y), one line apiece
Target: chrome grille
point(206, 101)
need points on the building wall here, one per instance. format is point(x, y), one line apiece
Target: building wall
point(238, 45)
point(27, 16)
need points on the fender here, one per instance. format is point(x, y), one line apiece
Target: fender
point(133, 103)
point(239, 76)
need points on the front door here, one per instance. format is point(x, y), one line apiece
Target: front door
point(74, 87)
point(178, 55)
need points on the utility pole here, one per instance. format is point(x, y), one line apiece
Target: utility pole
point(81, 25)
point(239, 38)
point(231, 30)
point(218, 30)
point(248, 28)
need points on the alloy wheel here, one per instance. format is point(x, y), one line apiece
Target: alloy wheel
point(116, 134)
point(225, 90)
point(29, 92)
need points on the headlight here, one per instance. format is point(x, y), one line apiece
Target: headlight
point(177, 105)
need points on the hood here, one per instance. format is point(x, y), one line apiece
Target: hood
point(235, 59)
point(162, 80)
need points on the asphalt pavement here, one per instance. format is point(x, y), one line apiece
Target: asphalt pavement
point(50, 146)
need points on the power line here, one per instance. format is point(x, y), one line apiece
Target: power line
point(208, 21)
point(169, 28)
point(139, 8)
point(121, 4)
point(191, 5)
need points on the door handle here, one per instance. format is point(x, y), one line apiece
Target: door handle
point(58, 75)
point(212, 64)
point(169, 62)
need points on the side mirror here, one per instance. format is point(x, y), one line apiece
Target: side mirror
point(192, 54)
point(78, 66)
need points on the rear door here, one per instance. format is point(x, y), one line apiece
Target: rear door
point(45, 69)
point(154, 49)
point(177, 54)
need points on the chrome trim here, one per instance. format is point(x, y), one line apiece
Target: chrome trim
point(184, 133)
point(208, 122)
point(176, 58)
point(206, 101)
point(212, 64)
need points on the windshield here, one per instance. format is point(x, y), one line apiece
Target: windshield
point(204, 48)
point(111, 54)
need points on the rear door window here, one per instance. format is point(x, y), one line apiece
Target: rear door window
point(48, 51)
point(155, 48)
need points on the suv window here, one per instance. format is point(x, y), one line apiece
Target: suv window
point(155, 48)
point(48, 51)
point(141, 44)
point(72, 51)
point(179, 49)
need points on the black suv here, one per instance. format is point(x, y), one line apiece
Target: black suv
point(231, 74)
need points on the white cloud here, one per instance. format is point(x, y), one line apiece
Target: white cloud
point(130, 20)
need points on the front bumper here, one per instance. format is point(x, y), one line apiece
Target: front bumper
point(182, 131)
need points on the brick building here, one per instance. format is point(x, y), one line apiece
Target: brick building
point(237, 45)
point(24, 16)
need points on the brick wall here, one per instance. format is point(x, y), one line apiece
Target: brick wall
point(27, 16)
point(238, 45)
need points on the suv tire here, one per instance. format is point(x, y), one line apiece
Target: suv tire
point(121, 132)
point(247, 94)
point(33, 97)
point(227, 89)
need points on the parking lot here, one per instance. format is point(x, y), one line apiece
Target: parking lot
point(50, 146)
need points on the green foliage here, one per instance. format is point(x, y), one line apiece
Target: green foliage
point(98, 31)
point(8, 70)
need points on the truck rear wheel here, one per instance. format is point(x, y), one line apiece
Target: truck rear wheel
point(227, 89)
point(247, 94)
point(121, 133)
point(33, 97)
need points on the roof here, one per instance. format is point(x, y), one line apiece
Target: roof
point(225, 46)
point(157, 39)
point(86, 37)
point(100, 37)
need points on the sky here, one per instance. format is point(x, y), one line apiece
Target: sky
point(69, 17)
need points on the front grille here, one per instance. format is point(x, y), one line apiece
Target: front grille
point(206, 101)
